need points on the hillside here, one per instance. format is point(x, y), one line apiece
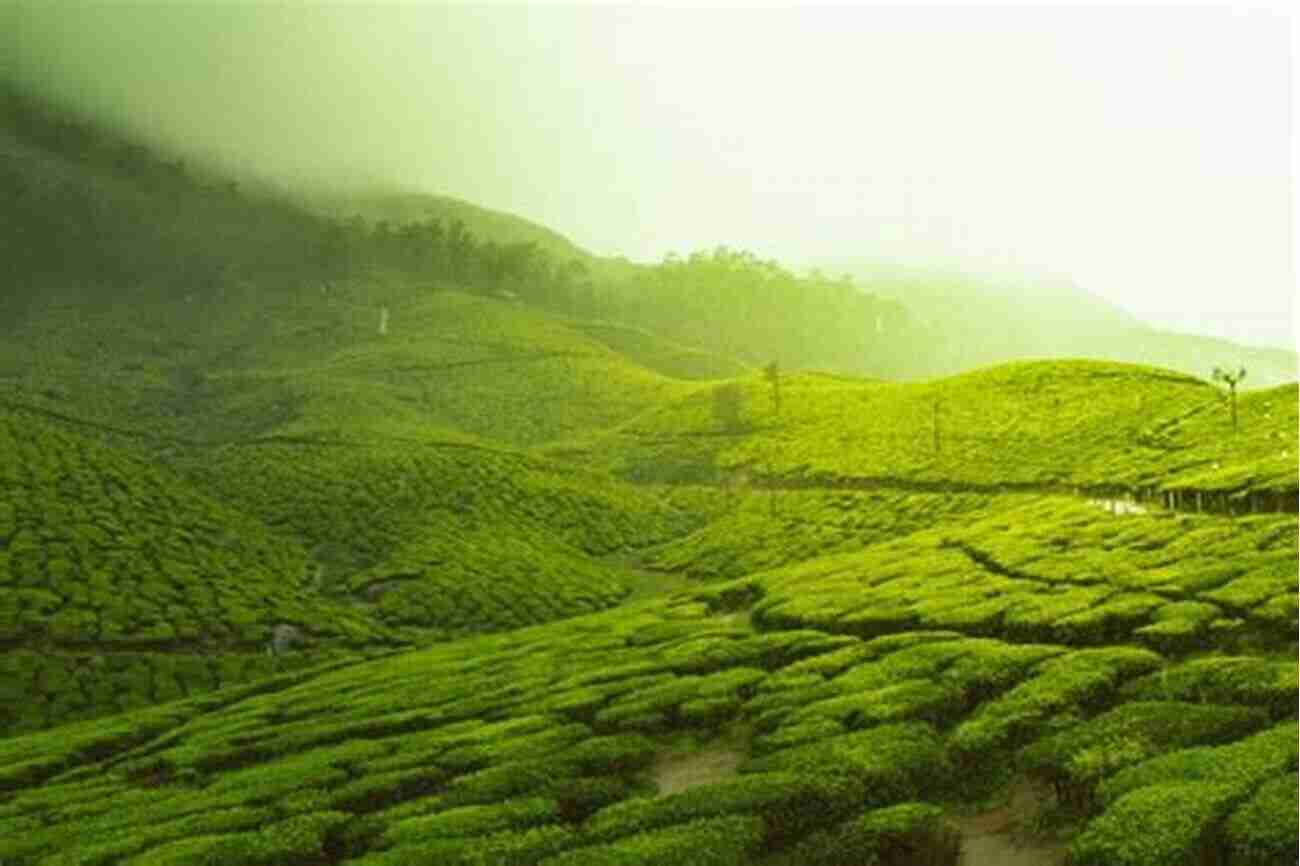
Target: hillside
point(379, 467)
point(970, 322)
point(394, 545)
point(545, 746)
point(1032, 425)
point(490, 225)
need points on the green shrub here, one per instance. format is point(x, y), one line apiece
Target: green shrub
point(504, 781)
point(1262, 831)
point(894, 762)
point(726, 841)
point(506, 848)
point(1267, 683)
point(301, 839)
point(375, 791)
point(614, 754)
point(579, 798)
point(911, 833)
point(1074, 761)
point(474, 820)
point(1061, 688)
point(789, 804)
point(1238, 766)
point(1168, 823)
point(786, 736)
point(909, 699)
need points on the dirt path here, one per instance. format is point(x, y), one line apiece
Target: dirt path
point(677, 772)
point(996, 837)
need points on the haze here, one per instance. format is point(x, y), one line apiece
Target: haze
point(1143, 154)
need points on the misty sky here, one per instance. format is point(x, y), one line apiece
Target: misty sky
point(1143, 153)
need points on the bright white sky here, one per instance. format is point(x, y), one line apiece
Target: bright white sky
point(1142, 152)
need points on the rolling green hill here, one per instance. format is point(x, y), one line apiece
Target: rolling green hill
point(566, 590)
point(1032, 425)
point(122, 584)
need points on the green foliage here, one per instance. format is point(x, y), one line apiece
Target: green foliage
point(1218, 679)
point(727, 841)
point(1263, 829)
point(807, 525)
point(894, 761)
point(1042, 425)
point(789, 804)
point(1075, 760)
point(662, 356)
point(506, 848)
point(1239, 766)
point(1168, 823)
point(474, 820)
point(913, 833)
point(1051, 569)
point(1060, 689)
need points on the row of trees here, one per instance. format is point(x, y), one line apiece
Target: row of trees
point(451, 253)
point(753, 309)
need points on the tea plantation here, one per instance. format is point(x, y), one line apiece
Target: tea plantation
point(538, 746)
point(530, 564)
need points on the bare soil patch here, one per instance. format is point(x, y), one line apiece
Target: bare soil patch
point(999, 836)
point(677, 772)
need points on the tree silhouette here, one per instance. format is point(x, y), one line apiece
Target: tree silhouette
point(1231, 380)
point(728, 404)
point(772, 373)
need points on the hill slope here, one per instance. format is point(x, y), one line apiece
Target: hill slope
point(545, 746)
point(1032, 425)
point(539, 565)
point(489, 225)
point(969, 322)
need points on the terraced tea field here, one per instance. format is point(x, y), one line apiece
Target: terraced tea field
point(550, 605)
point(1037, 426)
point(536, 746)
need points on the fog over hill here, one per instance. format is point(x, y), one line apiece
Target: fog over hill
point(374, 493)
point(999, 139)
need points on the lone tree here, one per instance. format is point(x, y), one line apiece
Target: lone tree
point(772, 373)
point(1232, 380)
point(728, 402)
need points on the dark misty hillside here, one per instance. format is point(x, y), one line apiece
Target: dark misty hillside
point(92, 213)
point(401, 208)
point(103, 213)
